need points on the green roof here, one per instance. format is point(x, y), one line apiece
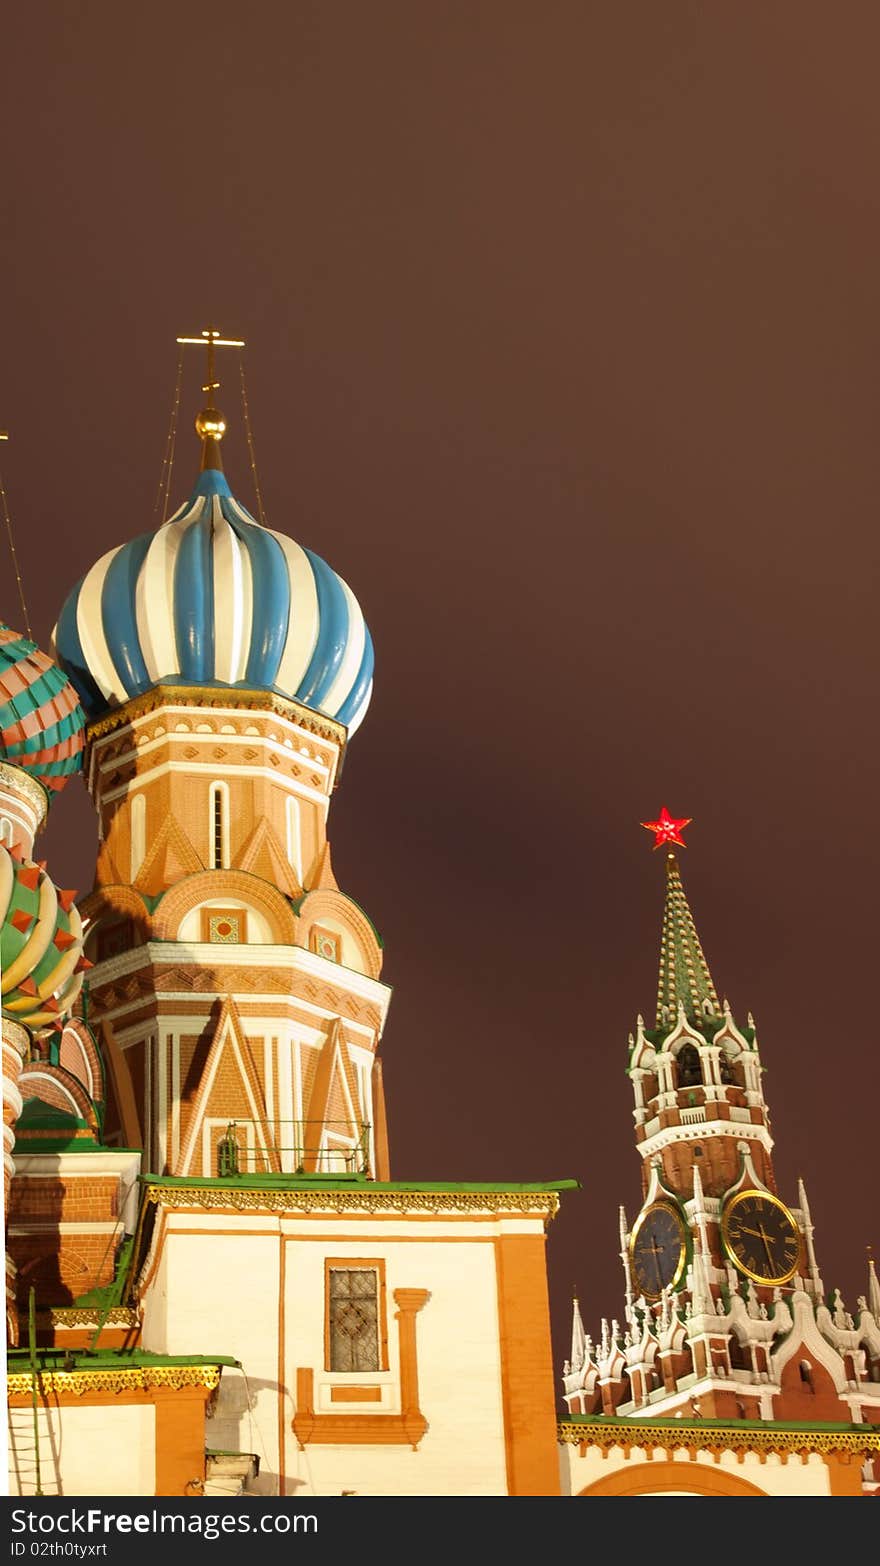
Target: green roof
point(105, 1359)
point(285, 1182)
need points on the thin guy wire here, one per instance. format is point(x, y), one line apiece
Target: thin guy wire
point(250, 442)
point(168, 461)
point(12, 551)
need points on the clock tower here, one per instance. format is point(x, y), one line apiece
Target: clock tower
point(702, 1125)
point(725, 1316)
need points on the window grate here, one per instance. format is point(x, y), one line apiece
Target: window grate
point(218, 830)
point(354, 1319)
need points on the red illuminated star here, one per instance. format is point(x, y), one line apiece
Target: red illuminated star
point(667, 830)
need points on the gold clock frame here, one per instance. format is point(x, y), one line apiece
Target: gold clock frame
point(668, 1207)
point(774, 1201)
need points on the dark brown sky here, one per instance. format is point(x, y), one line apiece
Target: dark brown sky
point(563, 350)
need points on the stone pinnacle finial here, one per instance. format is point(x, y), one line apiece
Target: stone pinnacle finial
point(578, 1337)
point(873, 1287)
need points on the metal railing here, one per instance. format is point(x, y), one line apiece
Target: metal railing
point(293, 1147)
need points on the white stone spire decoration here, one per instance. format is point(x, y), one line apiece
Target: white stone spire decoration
point(873, 1290)
point(578, 1337)
point(624, 1256)
point(702, 1303)
point(701, 1294)
point(605, 1344)
point(818, 1288)
point(700, 1213)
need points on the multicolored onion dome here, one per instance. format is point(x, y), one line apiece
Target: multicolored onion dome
point(213, 598)
point(41, 720)
point(41, 945)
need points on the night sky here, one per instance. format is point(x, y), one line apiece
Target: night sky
point(563, 350)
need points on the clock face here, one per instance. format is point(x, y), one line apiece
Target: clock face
point(658, 1249)
point(761, 1237)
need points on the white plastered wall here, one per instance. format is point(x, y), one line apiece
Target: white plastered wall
point(106, 1449)
point(218, 1291)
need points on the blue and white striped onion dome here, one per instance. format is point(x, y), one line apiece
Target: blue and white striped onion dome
point(213, 598)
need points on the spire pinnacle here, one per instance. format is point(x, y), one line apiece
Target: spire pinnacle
point(873, 1287)
point(578, 1337)
point(684, 972)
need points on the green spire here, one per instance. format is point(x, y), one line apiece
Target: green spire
point(684, 971)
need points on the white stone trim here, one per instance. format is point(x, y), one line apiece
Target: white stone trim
point(66, 1226)
point(712, 1128)
point(204, 954)
point(235, 715)
point(286, 1108)
point(162, 1101)
point(175, 1097)
point(209, 769)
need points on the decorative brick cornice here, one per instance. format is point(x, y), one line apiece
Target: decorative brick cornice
point(223, 696)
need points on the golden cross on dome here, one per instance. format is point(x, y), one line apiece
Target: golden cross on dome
point(667, 829)
point(211, 339)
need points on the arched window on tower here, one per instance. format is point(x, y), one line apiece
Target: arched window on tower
point(218, 826)
point(138, 825)
point(689, 1069)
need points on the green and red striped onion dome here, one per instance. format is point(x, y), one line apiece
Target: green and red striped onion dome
point(41, 720)
point(41, 945)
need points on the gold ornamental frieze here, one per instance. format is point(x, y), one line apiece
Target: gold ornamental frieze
point(299, 1200)
point(91, 1316)
point(121, 1379)
point(715, 1439)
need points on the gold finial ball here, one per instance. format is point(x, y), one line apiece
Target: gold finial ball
point(210, 424)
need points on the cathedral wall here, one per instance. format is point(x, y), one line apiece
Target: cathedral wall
point(257, 1288)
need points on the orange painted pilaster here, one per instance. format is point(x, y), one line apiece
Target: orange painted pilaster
point(844, 1473)
point(409, 1302)
point(180, 1442)
point(380, 1117)
point(527, 1384)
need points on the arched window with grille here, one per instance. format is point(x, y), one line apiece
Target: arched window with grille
point(218, 826)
